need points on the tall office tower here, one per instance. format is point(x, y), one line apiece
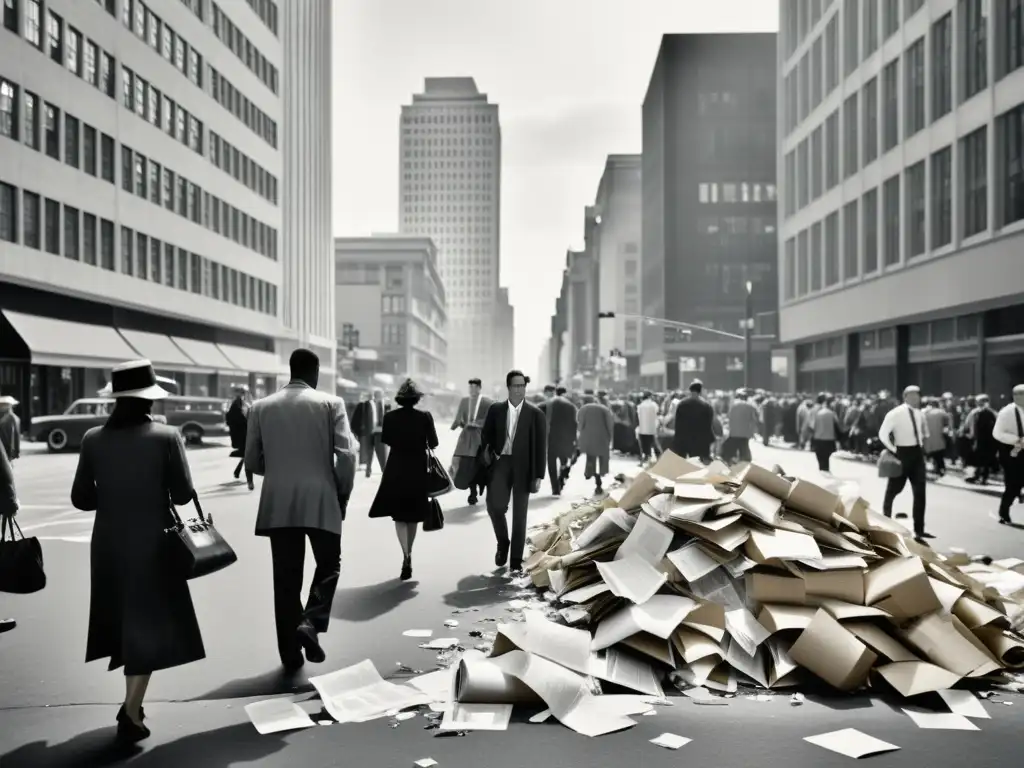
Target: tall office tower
point(709, 213)
point(450, 191)
point(139, 217)
point(901, 136)
point(307, 242)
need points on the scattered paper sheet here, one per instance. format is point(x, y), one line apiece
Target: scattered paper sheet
point(649, 540)
point(437, 685)
point(745, 630)
point(418, 632)
point(632, 578)
point(564, 645)
point(625, 670)
point(659, 616)
point(541, 717)
point(426, 762)
point(941, 721)
point(611, 523)
point(964, 703)
point(441, 643)
point(693, 561)
point(276, 715)
point(477, 717)
point(359, 692)
point(670, 741)
point(852, 743)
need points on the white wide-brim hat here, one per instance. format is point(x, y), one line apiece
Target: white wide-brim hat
point(136, 379)
point(8, 400)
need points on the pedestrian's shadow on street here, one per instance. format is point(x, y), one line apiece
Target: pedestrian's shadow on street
point(233, 745)
point(273, 683)
point(371, 601)
point(468, 513)
point(477, 591)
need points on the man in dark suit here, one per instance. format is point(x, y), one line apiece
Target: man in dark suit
point(367, 425)
point(561, 427)
point(514, 438)
point(694, 425)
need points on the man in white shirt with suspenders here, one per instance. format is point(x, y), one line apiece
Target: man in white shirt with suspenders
point(903, 431)
point(1009, 434)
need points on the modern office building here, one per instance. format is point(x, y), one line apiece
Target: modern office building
point(450, 191)
point(139, 195)
point(616, 243)
point(709, 213)
point(901, 246)
point(505, 333)
point(389, 294)
point(307, 239)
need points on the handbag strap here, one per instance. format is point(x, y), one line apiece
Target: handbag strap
point(8, 523)
point(203, 518)
point(1020, 425)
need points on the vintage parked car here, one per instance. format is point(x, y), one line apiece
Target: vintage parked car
point(196, 417)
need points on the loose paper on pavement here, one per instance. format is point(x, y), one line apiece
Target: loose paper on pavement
point(964, 703)
point(276, 715)
point(852, 743)
point(941, 721)
point(611, 523)
point(359, 692)
point(477, 717)
point(670, 741)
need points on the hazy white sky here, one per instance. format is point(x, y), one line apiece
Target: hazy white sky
point(570, 78)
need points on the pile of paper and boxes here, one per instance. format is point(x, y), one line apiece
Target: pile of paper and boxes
point(714, 578)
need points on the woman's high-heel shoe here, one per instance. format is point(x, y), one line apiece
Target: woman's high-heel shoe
point(129, 732)
point(406, 568)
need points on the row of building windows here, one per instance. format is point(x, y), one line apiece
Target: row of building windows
point(243, 48)
point(444, 116)
point(81, 236)
point(267, 11)
point(158, 109)
point(149, 28)
point(815, 259)
point(162, 186)
point(64, 44)
point(235, 102)
point(709, 192)
point(242, 168)
point(803, 90)
point(735, 225)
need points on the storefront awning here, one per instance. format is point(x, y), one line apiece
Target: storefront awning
point(256, 361)
point(66, 344)
point(160, 350)
point(206, 356)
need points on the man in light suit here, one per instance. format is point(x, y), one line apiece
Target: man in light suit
point(470, 418)
point(515, 440)
point(300, 441)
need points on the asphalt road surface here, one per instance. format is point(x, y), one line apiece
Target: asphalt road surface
point(57, 711)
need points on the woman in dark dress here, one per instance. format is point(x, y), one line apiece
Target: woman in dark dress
point(140, 612)
point(402, 494)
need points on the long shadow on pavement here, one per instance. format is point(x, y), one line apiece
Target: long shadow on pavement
point(233, 745)
point(477, 591)
point(272, 683)
point(468, 513)
point(371, 601)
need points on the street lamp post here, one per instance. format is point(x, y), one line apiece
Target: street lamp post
point(748, 330)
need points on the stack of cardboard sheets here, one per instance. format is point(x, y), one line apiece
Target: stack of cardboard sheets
point(723, 577)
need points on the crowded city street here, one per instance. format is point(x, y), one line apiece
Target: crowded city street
point(58, 711)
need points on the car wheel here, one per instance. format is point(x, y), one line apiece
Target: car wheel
point(192, 435)
point(57, 440)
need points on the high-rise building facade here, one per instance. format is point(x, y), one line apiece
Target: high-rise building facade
point(902, 142)
point(389, 292)
point(616, 237)
point(505, 332)
point(139, 195)
point(450, 191)
point(709, 212)
point(307, 242)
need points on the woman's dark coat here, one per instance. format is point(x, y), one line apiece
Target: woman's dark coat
point(237, 419)
point(402, 494)
point(140, 615)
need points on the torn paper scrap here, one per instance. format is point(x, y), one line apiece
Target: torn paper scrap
point(426, 762)
point(477, 717)
point(964, 703)
point(451, 623)
point(359, 693)
point(441, 643)
point(670, 741)
point(276, 715)
point(633, 578)
point(437, 685)
point(418, 632)
point(852, 743)
point(941, 721)
point(541, 717)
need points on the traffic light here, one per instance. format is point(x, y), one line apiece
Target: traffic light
point(605, 315)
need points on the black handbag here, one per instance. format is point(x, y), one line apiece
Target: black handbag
point(434, 521)
point(196, 547)
point(21, 560)
point(439, 482)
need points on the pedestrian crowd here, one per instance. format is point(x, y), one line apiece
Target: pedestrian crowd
point(308, 446)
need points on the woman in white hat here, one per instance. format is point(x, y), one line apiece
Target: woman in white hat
point(10, 427)
point(141, 615)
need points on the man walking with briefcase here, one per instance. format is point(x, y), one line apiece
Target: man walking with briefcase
point(300, 441)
